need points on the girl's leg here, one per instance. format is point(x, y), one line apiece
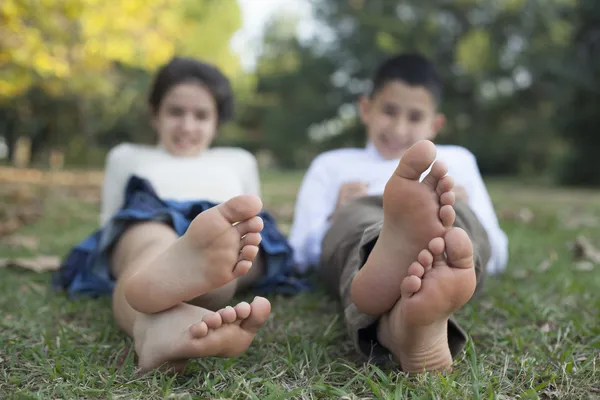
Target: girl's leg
point(157, 272)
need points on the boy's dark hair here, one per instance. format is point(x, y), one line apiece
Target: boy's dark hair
point(412, 69)
point(184, 69)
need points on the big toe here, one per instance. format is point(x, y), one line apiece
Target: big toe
point(241, 208)
point(260, 310)
point(416, 160)
point(459, 248)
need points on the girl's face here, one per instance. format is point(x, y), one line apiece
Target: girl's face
point(187, 119)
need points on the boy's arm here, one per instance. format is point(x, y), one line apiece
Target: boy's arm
point(480, 202)
point(315, 202)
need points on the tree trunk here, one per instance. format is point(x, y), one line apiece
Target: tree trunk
point(21, 151)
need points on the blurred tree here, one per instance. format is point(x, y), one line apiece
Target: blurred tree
point(494, 57)
point(292, 81)
point(579, 115)
point(77, 50)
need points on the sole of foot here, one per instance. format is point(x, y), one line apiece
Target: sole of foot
point(415, 212)
point(415, 330)
point(187, 332)
point(219, 246)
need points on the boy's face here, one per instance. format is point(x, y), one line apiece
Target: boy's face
point(186, 121)
point(398, 116)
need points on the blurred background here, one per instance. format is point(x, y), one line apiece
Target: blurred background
point(522, 76)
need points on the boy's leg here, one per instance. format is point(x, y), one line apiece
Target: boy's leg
point(346, 248)
point(157, 272)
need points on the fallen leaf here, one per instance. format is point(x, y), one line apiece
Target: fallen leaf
point(9, 226)
point(546, 326)
point(28, 242)
point(583, 250)
point(37, 264)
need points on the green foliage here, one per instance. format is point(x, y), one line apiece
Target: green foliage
point(499, 60)
point(521, 77)
point(578, 117)
point(75, 74)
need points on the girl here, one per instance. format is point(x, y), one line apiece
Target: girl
point(169, 262)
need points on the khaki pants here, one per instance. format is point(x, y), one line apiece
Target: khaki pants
point(346, 246)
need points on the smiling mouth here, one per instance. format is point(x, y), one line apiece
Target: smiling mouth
point(394, 145)
point(184, 143)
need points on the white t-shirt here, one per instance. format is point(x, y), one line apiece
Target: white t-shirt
point(318, 196)
point(216, 175)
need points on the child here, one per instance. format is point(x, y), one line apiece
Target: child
point(387, 224)
point(168, 262)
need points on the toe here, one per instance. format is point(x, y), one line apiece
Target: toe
point(240, 208)
point(213, 320)
point(436, 246)
point(446, 184)
point(251, 239)
point(425, 258)
point(240, 211)
point(252, 225)
point(199, 330)
point(242, 268)
point(459, 248)
point(448, 198)
point(447, 216)
point(260, 310)
point(410, 285)
point(242, 310)
point(438, 171)
point(228, 314)
point(416, 160)
point(248, 253)
point(416, 269)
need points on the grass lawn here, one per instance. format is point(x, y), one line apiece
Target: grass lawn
point(535, 332)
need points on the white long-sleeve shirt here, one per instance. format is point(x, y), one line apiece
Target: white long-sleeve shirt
point(319, 191)
point(216, 175)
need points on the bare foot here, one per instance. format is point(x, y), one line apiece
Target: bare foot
point(219, 246)
point(414, 213)
point(416, 330)
point(185, 332)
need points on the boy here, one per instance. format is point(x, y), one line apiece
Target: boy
point(402, 254)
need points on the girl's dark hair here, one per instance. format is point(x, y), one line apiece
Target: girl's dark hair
point(184, 69)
